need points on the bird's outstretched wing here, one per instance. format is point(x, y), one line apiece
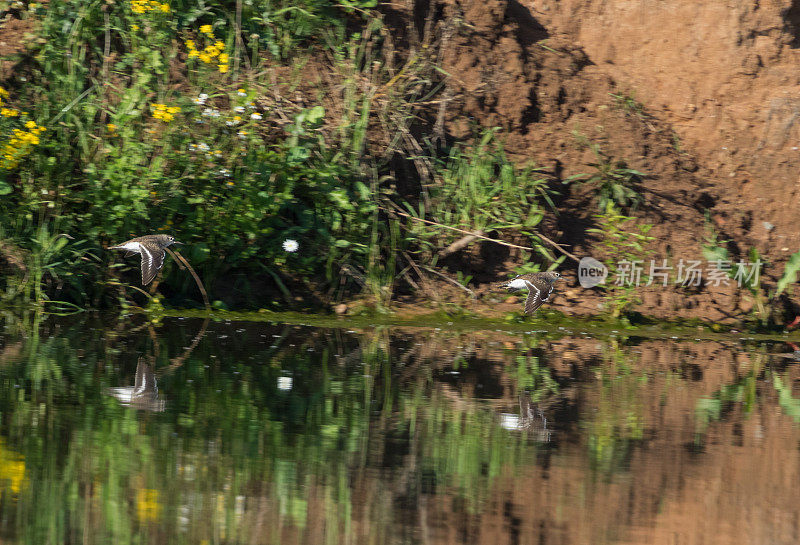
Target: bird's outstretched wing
point(152, 261)
point(538, 292)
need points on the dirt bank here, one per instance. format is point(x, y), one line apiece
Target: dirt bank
point(712, 121)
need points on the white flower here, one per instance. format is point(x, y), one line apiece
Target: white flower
point(239, 109)
point(203, 146)
point(208, 112)
point(242, 135)
point(224, 172)
point(201, 99)
point(290, 245)
point(241, 93)
point(255, 116)
point(284, 383)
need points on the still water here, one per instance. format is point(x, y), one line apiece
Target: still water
point(119, 431)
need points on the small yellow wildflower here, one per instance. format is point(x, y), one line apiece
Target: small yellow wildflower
point(206, 29)
point(241, 92)
point(111, 127)
point(143, 6)
point(9, 112)
point(3, 93)
point(223, 68)
point(163, 112)
point(211, 50)
point(135, 28)
point(223, 58)
point(205, 57)
point(193, 53)
point(19, 145)
point(190, 44)
point(219, 45)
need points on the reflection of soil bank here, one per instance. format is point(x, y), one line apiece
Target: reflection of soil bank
point(665, 478)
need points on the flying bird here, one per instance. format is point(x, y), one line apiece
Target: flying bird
point(539, 286)
point(152, 249)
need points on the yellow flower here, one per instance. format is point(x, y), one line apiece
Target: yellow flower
point(135, 28)
point(163, 112)
point(9, 112)
point(111, 127)
point(165, 8)
point(190, 44)
point(223, 58)
point(211, 50)
point(193, 53)
point(3, 93)
point(223, 68)
point(30, 125)
point(205, 29)
point(205, 57)
point(219, 45)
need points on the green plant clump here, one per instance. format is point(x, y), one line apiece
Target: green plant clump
point(625, 248)
point(142, 116)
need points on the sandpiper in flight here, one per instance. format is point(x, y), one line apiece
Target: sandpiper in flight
point(151, 248)
point(539, 286)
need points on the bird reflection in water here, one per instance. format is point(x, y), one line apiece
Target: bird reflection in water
point(794, 355)
point(530, 419)
point(144, 393)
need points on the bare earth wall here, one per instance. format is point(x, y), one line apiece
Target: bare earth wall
point(721, 134)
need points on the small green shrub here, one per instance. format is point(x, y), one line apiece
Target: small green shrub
point(623, 243)
point(613, 181)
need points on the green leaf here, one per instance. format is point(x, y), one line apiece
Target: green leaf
point(789, 272)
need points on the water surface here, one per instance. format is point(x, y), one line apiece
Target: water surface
point(120, 431)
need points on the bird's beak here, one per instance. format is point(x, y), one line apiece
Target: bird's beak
point(176, 242)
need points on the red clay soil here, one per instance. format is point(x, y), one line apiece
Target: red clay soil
point(719, 129)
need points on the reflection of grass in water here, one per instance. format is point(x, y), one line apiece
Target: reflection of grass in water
point(744, 390)
point(230, 441)
point(531, 375)
point(618, 421)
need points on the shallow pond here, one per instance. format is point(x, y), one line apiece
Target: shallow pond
point(120, 431)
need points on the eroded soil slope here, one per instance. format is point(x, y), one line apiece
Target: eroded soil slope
point(717, 131)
